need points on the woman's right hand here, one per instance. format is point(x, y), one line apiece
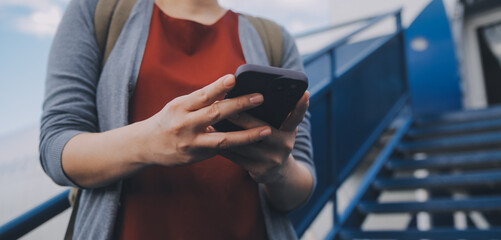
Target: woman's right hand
point(181, 132)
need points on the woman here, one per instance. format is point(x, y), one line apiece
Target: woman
point(137, 135)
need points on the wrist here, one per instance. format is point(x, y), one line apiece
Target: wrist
point(283, 173)
point(141, 143)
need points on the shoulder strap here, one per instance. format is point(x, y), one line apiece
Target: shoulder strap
point(271, 36)
point(74, 198)
point(109, 19)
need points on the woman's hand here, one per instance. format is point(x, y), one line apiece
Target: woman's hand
point(180, 133)
point(270, 161)
point(176, 135)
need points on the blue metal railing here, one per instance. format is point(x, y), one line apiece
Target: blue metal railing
point(35, 217)
point(350, 104)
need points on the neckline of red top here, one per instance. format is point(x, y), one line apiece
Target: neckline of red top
point(171, 18)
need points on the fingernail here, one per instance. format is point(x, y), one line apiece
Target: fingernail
point(257, 99)
point(228, 81)
point(265, 132)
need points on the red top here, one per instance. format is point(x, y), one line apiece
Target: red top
point(212, 199)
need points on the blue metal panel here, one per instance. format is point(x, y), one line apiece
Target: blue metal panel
point(350, 54)
point(363, 97)
point(369, 84)
point(433, 73)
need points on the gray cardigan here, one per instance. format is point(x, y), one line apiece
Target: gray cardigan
point(79, 97)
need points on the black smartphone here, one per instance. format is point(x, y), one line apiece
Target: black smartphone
point(281, 89)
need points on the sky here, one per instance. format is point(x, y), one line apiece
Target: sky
point(27, 28)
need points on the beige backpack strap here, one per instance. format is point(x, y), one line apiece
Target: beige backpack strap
point(74, 198)
point(271, 36)
point(109, 19)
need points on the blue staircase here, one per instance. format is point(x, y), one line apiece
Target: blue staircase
point(362, 112)
point(461, 153)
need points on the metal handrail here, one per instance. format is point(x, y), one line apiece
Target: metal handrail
point(47, 210)
point(35, 217)
point(332, 27)
point(324, 89)
point(341, 25)
point(346, 38)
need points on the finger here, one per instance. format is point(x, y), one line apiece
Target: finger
point(246, 121)
point(223, 109)
point(210, 129)
point(225, 140)
point(297, 114)
point(210, 93)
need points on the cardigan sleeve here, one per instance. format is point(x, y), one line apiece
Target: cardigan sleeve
point(303, 149)
point(69, 106)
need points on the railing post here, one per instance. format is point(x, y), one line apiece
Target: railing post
point(398, 20)
point(332, 131)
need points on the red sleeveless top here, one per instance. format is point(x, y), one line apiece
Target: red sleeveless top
point(212, 199)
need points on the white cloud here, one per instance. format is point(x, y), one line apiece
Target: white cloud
point(295, 15)
point(43, 18)
point(41, 22)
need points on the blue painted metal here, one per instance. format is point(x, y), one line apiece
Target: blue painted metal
point(314, 56)
point(490, 139)
point(360, 117)
point(459, 128)
point(433, 73)
point(380, 94)
point(463, 160)
point(35, 217)
point(438, 205)
point(412, 234)
point(335, 26)
point(371, 175)
point(460, 117)
point(464, 180)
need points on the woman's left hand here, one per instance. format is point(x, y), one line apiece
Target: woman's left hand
point(287, 183)
point(268, 161)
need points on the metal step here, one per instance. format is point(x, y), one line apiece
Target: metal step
point(473, 234)
point(474, 159)
point(460, 117)
point(452, 143)
point(488, 178)
point(438, 205)
point(455, 129)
